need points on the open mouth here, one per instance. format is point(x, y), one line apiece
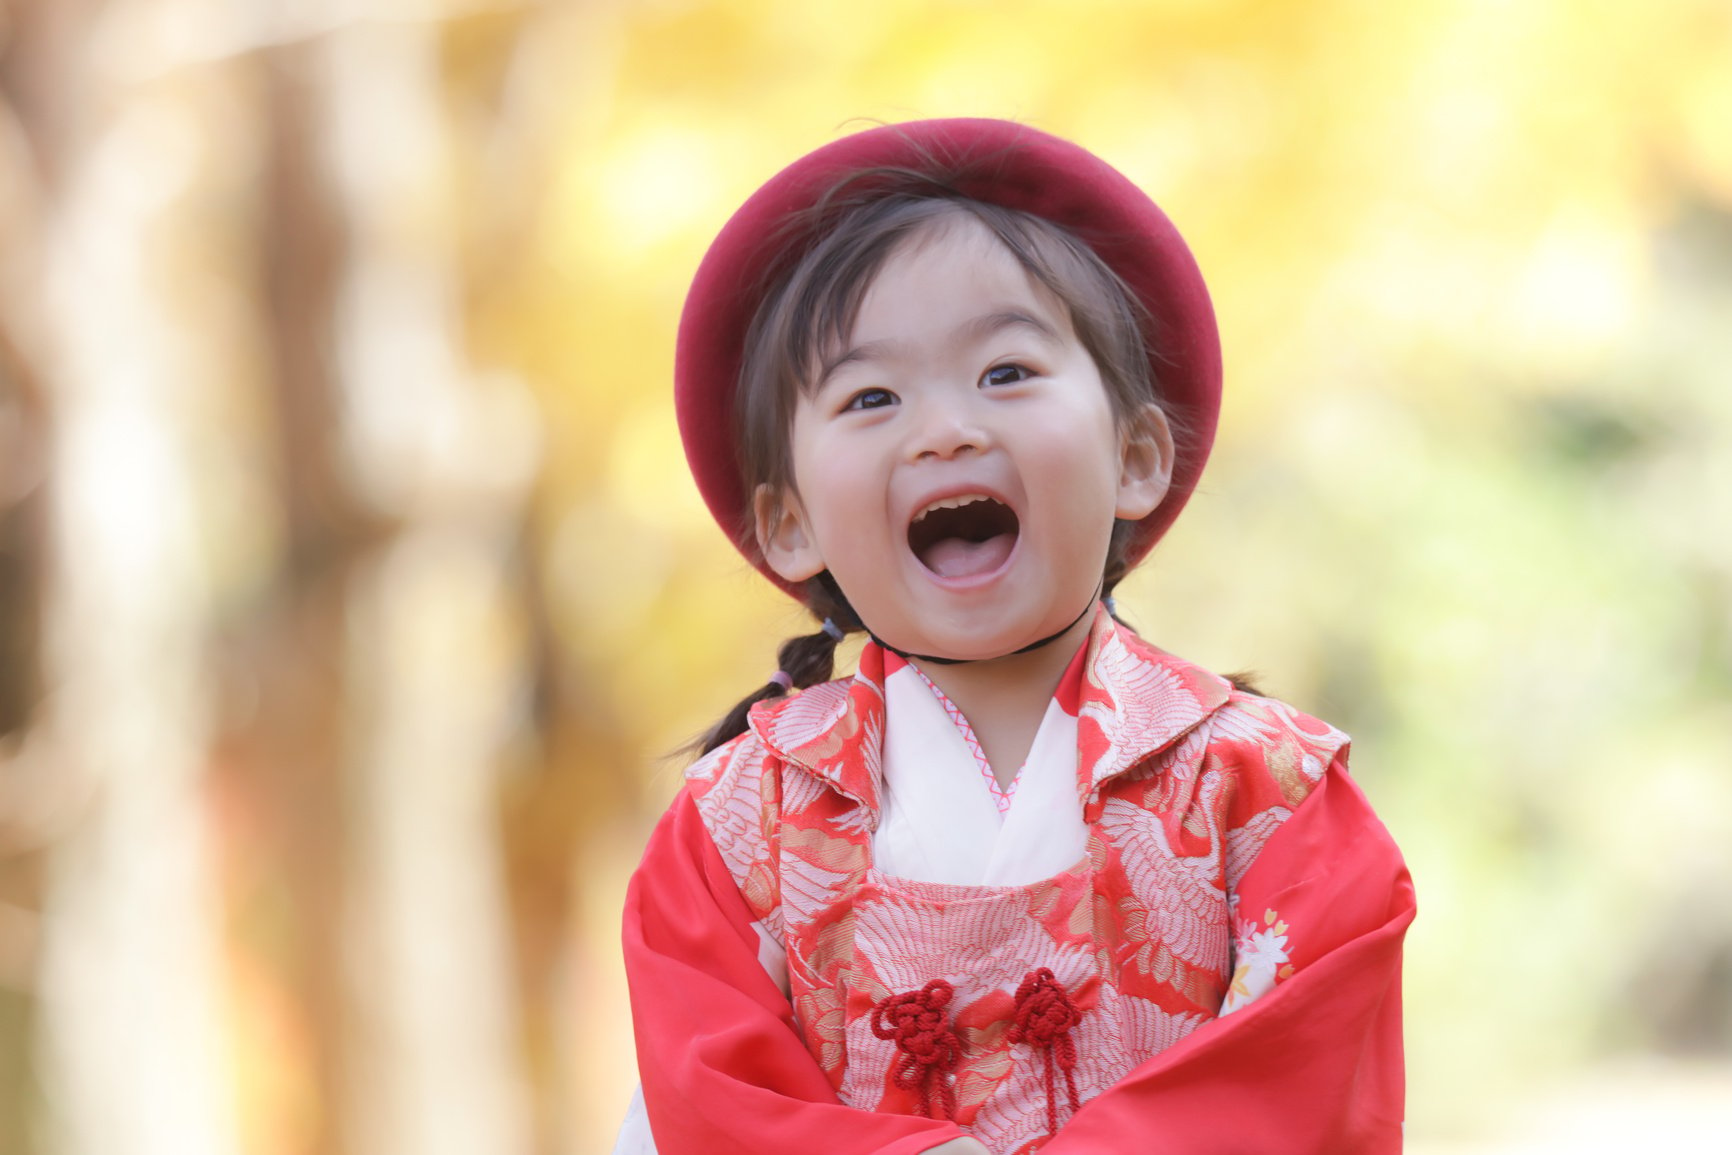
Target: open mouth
point(963, 536)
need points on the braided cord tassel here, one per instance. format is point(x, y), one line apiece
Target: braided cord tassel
point(918, 1024)
point(1044, 1016)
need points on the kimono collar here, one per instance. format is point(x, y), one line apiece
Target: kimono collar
point(1135, 701)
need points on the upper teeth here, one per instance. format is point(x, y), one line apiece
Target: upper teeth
point(952, 503)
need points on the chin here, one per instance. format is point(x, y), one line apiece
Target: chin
point(974, 645)
point(974, 651)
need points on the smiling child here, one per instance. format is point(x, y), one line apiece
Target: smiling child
point(1024, 881)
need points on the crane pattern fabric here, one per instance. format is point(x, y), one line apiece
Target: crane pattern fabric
point(1182, 780)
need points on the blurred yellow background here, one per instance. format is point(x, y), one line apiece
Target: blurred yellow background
point(353, 590)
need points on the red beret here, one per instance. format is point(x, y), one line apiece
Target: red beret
point(996, 161)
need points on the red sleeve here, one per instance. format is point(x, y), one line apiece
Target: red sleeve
point(1313, 1066)
point(724, 1069)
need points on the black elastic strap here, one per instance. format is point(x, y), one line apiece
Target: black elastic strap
point(1035, 645)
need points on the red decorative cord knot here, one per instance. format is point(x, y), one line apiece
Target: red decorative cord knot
point(916, 1021)
point(1044, 1016)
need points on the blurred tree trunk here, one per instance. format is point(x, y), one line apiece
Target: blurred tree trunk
point(26, 786)
point(392, 659)
point(28, 798)
point(288, 755)
point(130, 1019)
point(360, 706)
point(304, 797)
point(435, 649)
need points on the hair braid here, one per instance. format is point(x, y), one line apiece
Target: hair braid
point(806, 659)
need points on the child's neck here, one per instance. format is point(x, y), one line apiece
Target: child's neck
point(1004, 699)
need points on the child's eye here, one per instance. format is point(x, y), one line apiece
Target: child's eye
point(1006, 375)
point(870, 399)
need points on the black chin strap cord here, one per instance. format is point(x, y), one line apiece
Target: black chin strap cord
point(1034, 645)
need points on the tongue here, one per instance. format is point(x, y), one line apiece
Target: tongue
point(955, 557)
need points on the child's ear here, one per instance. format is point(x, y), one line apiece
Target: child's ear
point(784, 535)
point(1146, 463)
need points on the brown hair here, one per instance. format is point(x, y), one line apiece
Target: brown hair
point(809, 305)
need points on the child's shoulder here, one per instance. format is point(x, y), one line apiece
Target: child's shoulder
point(1249, 714)
point(1265, 741)
point(1254, 738)
point(740, 788)
point(727, 764)
point(778, 728)
point(1240, 711)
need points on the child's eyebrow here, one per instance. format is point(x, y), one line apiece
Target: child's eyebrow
point(973, 330)
point(994, 323)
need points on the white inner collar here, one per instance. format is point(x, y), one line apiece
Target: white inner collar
point(941, 823)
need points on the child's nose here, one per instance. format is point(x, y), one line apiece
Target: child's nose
point(944, 428)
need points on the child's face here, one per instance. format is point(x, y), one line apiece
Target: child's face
point(961, 385)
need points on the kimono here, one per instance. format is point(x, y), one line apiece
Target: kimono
point(1182, 933)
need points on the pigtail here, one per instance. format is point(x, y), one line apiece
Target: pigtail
point(802, 661)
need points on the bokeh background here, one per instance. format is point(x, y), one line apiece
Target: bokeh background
point(353, 591)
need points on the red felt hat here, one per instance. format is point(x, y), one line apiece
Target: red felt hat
point(996, 161)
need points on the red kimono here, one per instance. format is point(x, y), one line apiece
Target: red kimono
point(1218, 971)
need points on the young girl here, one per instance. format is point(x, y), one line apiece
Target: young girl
point(1023, 881)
